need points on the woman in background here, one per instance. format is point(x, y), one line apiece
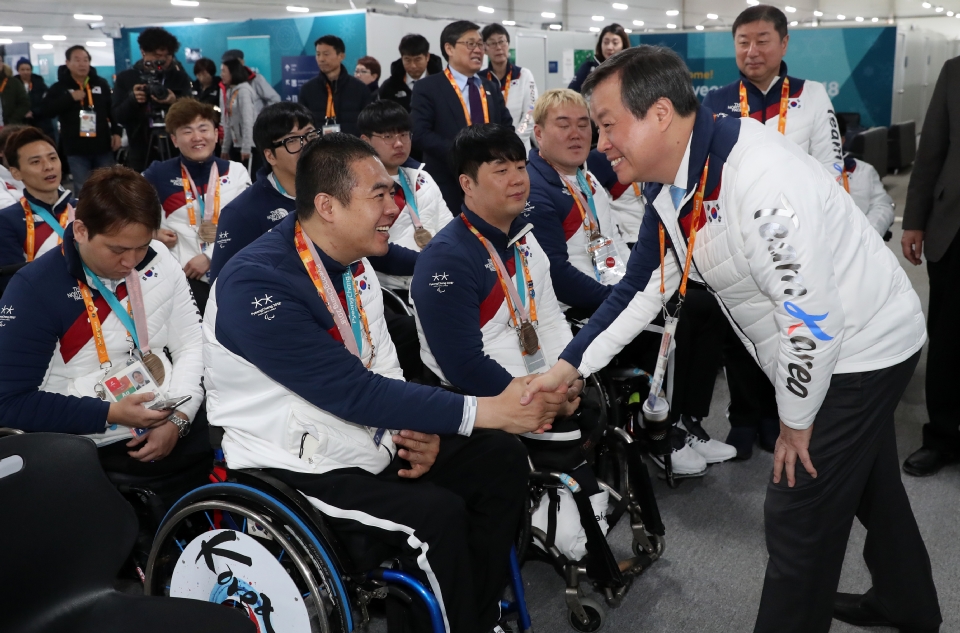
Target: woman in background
point(368, 71)
point(238, 112)
point(612, 40)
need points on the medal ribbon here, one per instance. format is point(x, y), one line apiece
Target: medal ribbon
point(58, 227)
point(784, 104)
point(349, 328)
point(697, 207)
point(192, 194)
point(466, 110)
point(514, 302)
point(135, 308)
point(408, 195)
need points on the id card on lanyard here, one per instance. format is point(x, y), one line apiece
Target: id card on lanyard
point(353, 329)
point(523, 316)
point(670, 321)
point(330, 124)
point(608, 266)
point(88, 117)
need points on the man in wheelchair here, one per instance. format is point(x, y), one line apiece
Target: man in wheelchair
point(80, 322)
point(304, 379)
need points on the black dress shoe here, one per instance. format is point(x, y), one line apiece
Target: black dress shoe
point(927, 461)
point(742, 439)
point(853, 609)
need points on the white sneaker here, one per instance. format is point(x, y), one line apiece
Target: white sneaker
point(713, 451)
point(683, 461)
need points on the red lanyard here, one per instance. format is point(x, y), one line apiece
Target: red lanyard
point(784, 104)
point(466, 110)
point(697, 207)
point(514, 303)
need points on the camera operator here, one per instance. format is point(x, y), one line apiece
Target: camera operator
point(143, 93)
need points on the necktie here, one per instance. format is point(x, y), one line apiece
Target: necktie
point(677, 194)
point(476, 106)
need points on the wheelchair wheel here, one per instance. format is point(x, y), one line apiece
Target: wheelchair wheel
point(595, 616)
point(659, 544)
point(238, 546)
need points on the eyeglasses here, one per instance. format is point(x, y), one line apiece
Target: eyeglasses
point(498, 43)
point(362, 71)
point(294, 144)
point(472, 45)
point(389, 139)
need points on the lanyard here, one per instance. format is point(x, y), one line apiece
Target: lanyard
point(697, 206)
point(86, 85)
point(331, 111)
point(47, 217)
point(505, 87)
point(4, 84)
point(466, 110)
point(636, 189)
point(589, 221)
point(408, 195)
point(192, 194)
point(846, 179)
point(134, 307)
point(352, 329)
point(784, 104)
point(115, 305)
point(276, 183)
point(512, 295)
point(233, 99)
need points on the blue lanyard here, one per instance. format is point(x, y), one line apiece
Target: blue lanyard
point(47, 217)
point(350, 294)
point(519, 276)
point(276, 181)
point(585, 188)
point(407, 193)
point(115, 304)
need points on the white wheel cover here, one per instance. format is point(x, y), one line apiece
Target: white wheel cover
point(225, 565)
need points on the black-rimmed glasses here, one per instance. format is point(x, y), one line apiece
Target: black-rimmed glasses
point(294, 144)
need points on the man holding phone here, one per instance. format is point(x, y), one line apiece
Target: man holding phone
point(143, 92)
point(79, 324)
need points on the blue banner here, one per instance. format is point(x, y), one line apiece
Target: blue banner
point(296, 72)
point(854, 64)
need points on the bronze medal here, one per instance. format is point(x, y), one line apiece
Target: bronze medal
point(152, 362)
point(422, 237)
point(207, 232)
point(529, 340)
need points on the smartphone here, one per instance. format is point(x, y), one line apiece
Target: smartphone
point(171, 403)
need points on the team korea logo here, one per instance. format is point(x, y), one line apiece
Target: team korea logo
point(233, 569)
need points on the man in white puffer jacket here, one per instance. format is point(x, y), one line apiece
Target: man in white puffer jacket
point(819, 302)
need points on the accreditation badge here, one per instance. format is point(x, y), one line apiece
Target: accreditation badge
point(88, 123)
point(669, 331)
point(331, 128)
point(132, 377)
point(607, 263)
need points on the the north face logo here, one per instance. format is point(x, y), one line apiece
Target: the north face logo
point(277, 214)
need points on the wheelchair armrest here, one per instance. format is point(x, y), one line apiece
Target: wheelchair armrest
point(5, 431)
point(396, 302)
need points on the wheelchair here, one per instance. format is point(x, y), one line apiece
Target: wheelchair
point(256, 544)
point(616, 460)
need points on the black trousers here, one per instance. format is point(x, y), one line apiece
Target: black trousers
point(854, 449)
point(698, 353)
point(752, 396)
point(403, 333)
point(187, 452)
point(942, 432)
point(452, 528)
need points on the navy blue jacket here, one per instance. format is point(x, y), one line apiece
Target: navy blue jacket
point(46, 313)
point(13, 232)
point(260, 208)
point(454, 318)
point(555, 217)
point(350, 96)
point(582, 73)
point(301, 348)
point(437, 116)
point(715, 138)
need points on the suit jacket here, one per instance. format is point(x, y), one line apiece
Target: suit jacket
point(437, 117)
point(933, 197)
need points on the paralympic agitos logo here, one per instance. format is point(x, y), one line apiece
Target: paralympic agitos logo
point(775, 231)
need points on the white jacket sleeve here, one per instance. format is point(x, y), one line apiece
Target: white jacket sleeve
point(434, 212)
point(880, 215)
point(825, 143)
point(185, 342)
point(524, 120)
point(552, 326)
point(781, 222)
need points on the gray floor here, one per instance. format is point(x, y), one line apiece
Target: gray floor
point(710, 578)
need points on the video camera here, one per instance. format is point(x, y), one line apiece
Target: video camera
point(152, 75)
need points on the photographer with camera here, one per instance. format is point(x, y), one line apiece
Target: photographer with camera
point(143, 93)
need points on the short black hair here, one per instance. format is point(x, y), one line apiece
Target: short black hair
point(487, 143)
point(205, 64)
point(611, 29)
point(277, 120)
point(333, 41)
point(155, 38)
point(21, 136)
point(414, 44)
point(238, 72)
point(325, 167)
point(647, 73)
point(494, 29)
point(452, 32)
point(764, 12)
point(113, 197)
point(74, 49)
point(382, 117)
